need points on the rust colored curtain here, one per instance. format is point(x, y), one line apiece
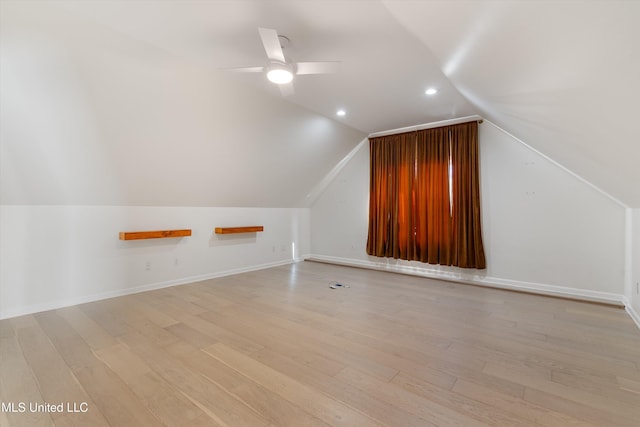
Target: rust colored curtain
point(467, 248)
point(390, 196)
point(425, 198)
point(432, 209)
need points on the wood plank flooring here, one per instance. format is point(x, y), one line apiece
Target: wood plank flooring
point(278, 347)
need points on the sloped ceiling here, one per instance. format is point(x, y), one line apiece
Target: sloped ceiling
point(158, 121)
point(561, 76)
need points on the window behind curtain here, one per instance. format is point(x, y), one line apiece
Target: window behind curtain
point(424, 199)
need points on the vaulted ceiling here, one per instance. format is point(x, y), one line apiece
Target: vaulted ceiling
point(560, 76)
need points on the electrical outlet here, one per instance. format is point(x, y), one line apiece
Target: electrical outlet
point(147, 265)
point(176, 262)
point(637, 288)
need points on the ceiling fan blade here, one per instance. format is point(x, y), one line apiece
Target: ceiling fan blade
point(317, 67)
point(271, 44)
point(286, 89)
point(246, 69)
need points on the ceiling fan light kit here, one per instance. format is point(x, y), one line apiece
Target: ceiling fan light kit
point(279, 74)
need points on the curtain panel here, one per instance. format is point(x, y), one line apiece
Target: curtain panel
point(424, 197)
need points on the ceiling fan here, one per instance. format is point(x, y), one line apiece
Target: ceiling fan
point(279, 71)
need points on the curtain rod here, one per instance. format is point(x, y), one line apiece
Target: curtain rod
point(427, 126)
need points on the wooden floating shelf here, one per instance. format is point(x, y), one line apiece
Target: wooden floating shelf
point(233, 230)
point(157, 234)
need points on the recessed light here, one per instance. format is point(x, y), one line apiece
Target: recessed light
point(431, 91)
point(341, 113)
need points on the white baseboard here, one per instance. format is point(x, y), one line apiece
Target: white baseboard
point(632, 313)
point(53, 305)
point(479, 280)
point(537, 288)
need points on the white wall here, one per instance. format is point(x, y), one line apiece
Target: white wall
point(544, 229)
point(103, 132)
point(54, 256)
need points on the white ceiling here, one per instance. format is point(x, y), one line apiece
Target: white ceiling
point(384, 69)
point(561, 76)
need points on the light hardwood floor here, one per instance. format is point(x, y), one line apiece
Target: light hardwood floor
point(277, 347)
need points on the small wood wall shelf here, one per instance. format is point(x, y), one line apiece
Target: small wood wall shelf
point(232, 230)
point(157, 234)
